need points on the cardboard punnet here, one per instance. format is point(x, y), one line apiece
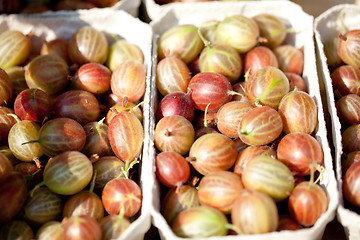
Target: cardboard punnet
point(113, 23)
point(294, 17)
point(130, 6)
point(326, 26)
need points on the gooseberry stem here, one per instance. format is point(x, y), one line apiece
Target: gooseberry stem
point(341, 16)
point(92, 185)
point(36, 187)
point(314, 166)
point(342, 37)
point(14, 116)
point(205, 116)
point(234, 228)
point(128, 165)
point(29, 177)
point(247, 74)
point(206, 42)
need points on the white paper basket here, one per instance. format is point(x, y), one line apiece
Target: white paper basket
point(63, 24)
point(326, 26)
point(130, 6)
point(294, 17)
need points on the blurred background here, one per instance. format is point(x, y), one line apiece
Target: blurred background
point(316, 7)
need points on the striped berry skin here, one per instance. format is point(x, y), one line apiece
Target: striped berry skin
point(56, 46)
point(345, 80)
point(14, 48)
point(286, 222)
point(212, 152)
point(240, 145)
point(80, 105)
point(258, 58)
point(205, 130)
point(50, 230)
point(208, 27)
point(126, 136)
point(307, 202)
point(220, 190)
point(68, 173)
point(268, 175)
point(17, 76)
point(177, 200)
point(200, 222)
point(43, 206)
point(350, 184)
point(267, 87)
point(333, 60)
point(6, 122)
point(239, 88)
point(290, 59)
point(172, 169)
point(177, 103)
point(6, 88)
point(81, 227)
point(172, 75)
point(120, 107)
point(260, 126)
point(348, 160)
point(298, 151)
point(297, 81)
point(194, 66)
point(60, 135)
point(27, 168)
point(93, 77)
point(250, 153)
point(97, 140)
point(348, 109)
point(229, 117)
point(16, 229)
point(107, 168)
point(13, 195)
point(88, 45)
point(5, 165)
point(222, 59)
point(238, 31)
point(199, 120)
point(299, 113)
point(174, 133)
point(122, 195)
point(254, 212)
point(112, 226)
point(128, 80)
point(272, 28)
point(122, 50)
point(32, 104)
point(351, 138)
point(210, 87)
point(21, 133)
point(349, 47)
point(84, 203)
point(182, 41)
point(51, 81)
